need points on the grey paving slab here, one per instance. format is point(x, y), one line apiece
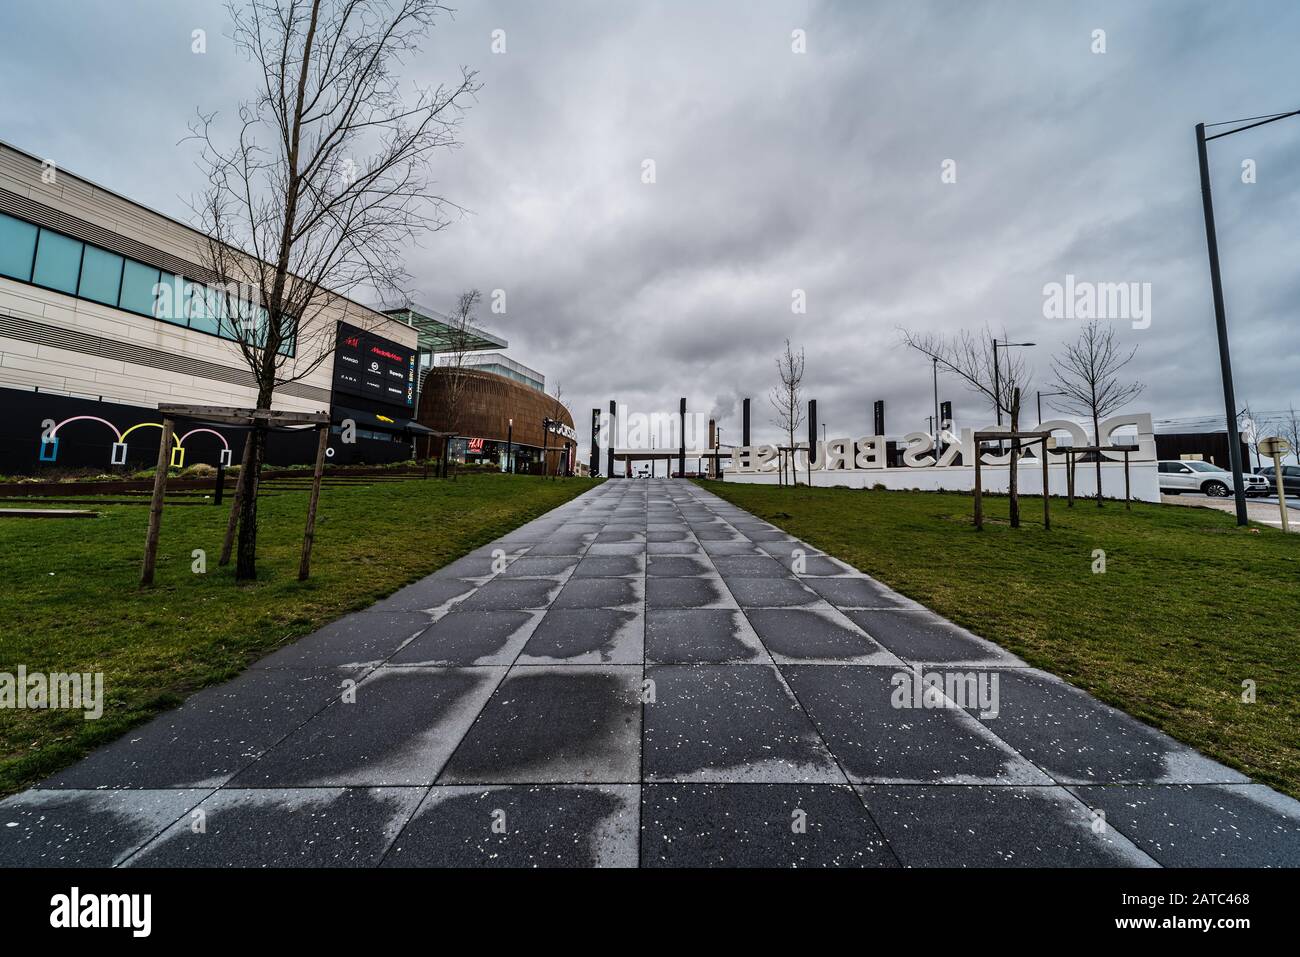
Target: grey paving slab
point(1079, 740)
point(210, 737)
point(687, 593)
point(819, 566)
point(560, 547)
point(970, 826)
point(1214, 825)
point(470, 637)
point(85, 828)
point(922, 636)
point(730, 723)
point(573, 724)
point(749, 566)
point(701, 635)
point(599, 593)
point(365, 638)
point(674, 548)
point(819, 634)
point(853, 592)
point(537, 566)
point(586, 636)
point(522, 826)
point(855, 709)
point(294, 827)
point(399, 730)
point(610, 566)
point(758, 825)
point(605, 549)
point(679, 566)
point(436, 591)
point(771, 592)
point(522, 594)
point(731, 548)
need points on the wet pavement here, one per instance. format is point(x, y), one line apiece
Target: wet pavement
point(647, 675)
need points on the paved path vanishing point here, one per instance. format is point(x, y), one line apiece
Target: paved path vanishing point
point(645, 681)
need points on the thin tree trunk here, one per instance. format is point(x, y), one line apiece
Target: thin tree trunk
point(1096, 440)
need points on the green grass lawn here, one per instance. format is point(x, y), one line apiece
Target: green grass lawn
point(70, 600)
point(1188, 608)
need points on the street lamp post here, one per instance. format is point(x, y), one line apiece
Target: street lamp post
point(1040, 403)
point(934, 360)
point(1216, 283)
point(510, 446)
point(997, 381)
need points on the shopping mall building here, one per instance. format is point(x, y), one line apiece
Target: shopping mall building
point(89, 346)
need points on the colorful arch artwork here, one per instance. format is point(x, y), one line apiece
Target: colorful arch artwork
point(49, 444)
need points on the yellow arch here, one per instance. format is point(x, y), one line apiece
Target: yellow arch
point(155, 425)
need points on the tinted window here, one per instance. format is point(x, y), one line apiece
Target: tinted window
point(138, 281)
point(1291, 470)
point(17, 244)
point(169, 305)
point(58, 262)
point(204, 308)
point(101, 276)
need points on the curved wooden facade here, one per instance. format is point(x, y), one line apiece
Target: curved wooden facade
point(488, 402)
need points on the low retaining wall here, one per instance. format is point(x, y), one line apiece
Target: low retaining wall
point(1143, 477)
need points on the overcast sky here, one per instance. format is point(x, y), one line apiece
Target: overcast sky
point(778, 171)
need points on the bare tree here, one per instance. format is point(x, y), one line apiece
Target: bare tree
point(461, 332)
point(558, 407)
point(1087, 374)
point(1288, 426)
point(785, 398)
point(969, 356)
point(1000, 379)
point(323, 187)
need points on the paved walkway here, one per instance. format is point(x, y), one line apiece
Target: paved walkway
point(639, 676)
point(1262, 510)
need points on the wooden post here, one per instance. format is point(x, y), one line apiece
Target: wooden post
point(1047, 517)
point(156, 503)
point(1281, 486)
point(1128, 504)
point(240, 484)
point(979, 501)
point(304, 567)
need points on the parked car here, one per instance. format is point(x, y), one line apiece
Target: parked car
point(1290, 478)
point(1192, 475)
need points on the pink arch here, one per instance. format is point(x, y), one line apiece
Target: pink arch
point(213, 431)
point(93, 418)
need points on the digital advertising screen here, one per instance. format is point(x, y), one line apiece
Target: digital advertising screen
point(373, 367)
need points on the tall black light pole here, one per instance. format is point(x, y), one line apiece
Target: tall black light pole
point(681, 431)
point(1216, 282)
point(613, 432)
point(510, 446)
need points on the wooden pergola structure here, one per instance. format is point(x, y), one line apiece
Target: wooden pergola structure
point(1071, 454)
point(1019, 440)
point(247, 418)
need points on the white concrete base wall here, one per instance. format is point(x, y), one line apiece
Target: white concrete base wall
point(1143, 478)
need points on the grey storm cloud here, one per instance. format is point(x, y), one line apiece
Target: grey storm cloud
point(778, 171)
